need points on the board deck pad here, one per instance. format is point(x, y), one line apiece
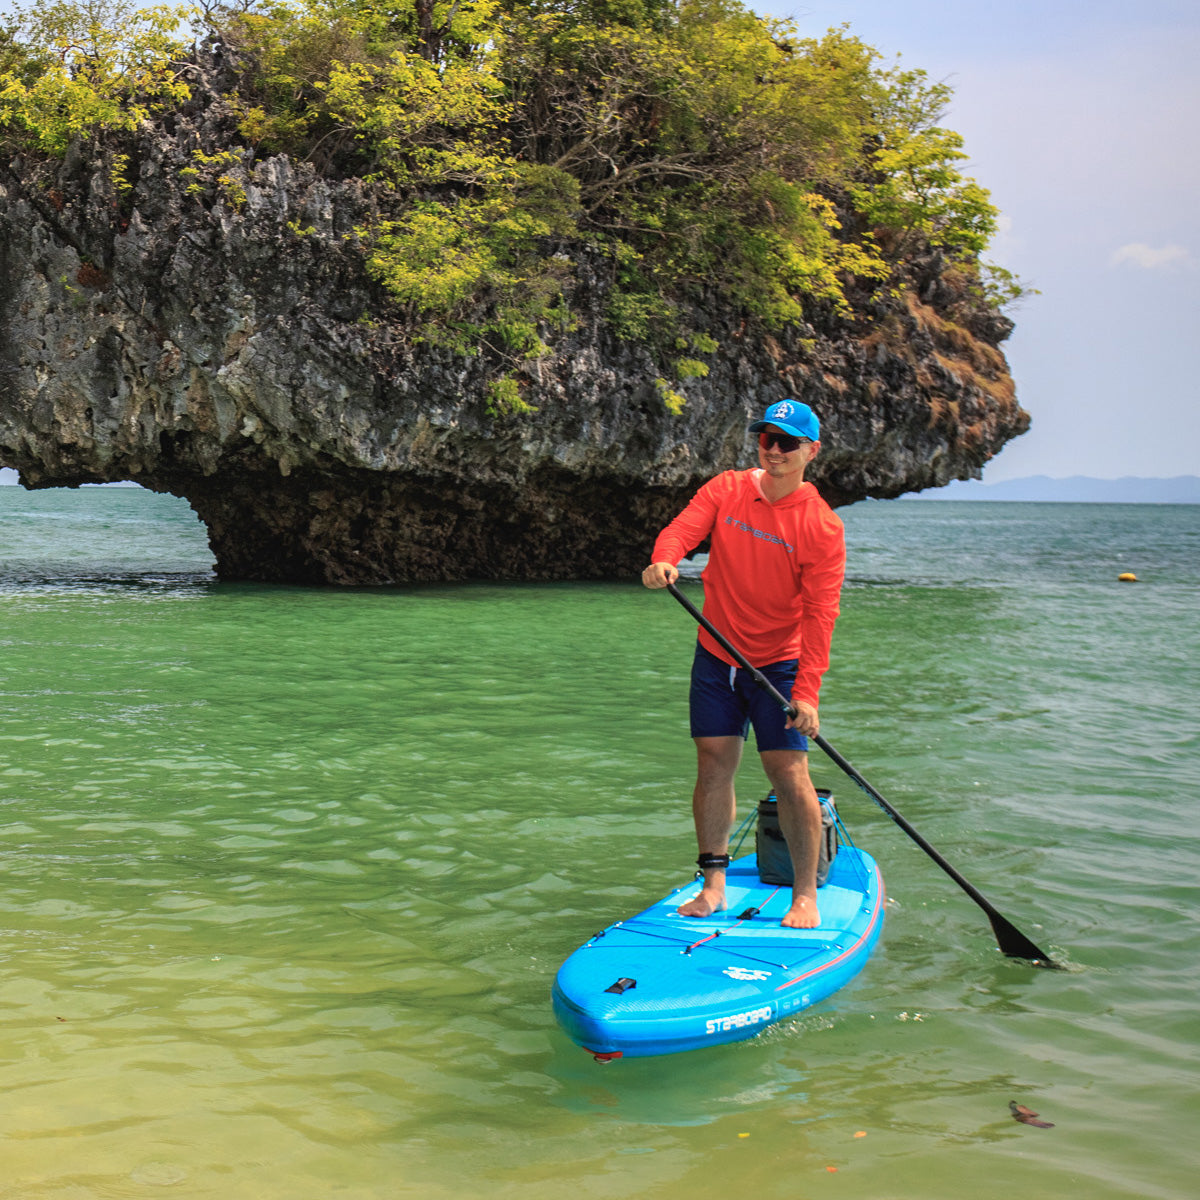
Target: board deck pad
point(658, 982)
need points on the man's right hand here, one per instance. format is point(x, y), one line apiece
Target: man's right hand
point(658, 575)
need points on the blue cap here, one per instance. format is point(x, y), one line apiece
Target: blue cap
point(792, 417)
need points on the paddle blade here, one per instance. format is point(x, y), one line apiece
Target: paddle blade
point(1016, 945)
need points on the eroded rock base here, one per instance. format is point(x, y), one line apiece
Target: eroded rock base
point(363, 530)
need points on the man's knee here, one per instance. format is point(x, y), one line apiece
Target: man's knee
point(788, 772)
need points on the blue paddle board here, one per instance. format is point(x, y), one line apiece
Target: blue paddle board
point(659, 983)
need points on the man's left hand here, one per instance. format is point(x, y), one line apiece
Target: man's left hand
point(805, 721)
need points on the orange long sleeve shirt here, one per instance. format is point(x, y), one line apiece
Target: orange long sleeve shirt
point(774, 576)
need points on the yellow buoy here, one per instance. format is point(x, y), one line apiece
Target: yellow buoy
point(1127, 577)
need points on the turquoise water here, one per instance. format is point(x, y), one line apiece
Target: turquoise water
point(287, 872)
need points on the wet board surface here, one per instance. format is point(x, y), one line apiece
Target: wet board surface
point(659, 983)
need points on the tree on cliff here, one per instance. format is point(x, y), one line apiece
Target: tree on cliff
point(700, 149)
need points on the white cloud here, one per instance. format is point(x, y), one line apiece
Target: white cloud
point(1150, 258)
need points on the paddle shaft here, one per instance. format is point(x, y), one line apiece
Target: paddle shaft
point(1008, 937)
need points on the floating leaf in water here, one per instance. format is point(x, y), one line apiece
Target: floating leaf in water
point(1027, 1116)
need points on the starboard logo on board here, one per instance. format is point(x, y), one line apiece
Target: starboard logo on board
point(745, 974)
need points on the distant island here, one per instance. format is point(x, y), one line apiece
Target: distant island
point(1078, 489)
point(9, 477)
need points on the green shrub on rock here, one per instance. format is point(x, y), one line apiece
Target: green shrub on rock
point(696, 147)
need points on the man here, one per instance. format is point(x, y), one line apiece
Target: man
point(771, 586)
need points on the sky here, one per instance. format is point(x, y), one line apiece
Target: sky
point(1083, 121)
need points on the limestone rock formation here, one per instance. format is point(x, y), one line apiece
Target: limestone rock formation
point(221, 341)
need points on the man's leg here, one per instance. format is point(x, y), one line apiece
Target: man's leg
point(713, 809)
point(800, 821)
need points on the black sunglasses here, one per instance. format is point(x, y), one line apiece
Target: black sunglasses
point(784, 441)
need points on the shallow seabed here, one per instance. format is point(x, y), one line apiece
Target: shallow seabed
point(287, 873)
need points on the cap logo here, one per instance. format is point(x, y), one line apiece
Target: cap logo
point(783, 410)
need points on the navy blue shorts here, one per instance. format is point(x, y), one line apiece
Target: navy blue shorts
point(725, 701)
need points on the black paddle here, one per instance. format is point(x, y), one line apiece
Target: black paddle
point(1008, 937)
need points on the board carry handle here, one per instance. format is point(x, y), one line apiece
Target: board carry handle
point(1009, 938)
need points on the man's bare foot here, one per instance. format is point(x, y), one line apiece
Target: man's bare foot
point(803, 914)
point(709, 901)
